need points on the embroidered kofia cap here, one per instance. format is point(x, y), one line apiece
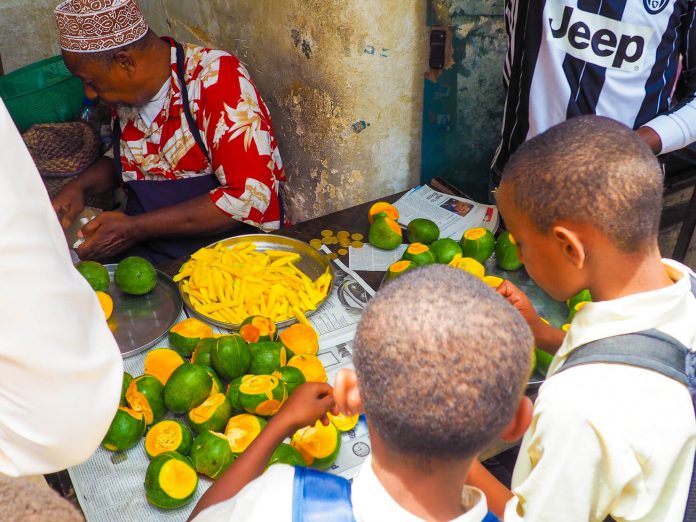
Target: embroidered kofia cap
point(89, 26)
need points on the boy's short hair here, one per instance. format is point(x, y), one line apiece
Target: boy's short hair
point(442, 361)
point(594, 170)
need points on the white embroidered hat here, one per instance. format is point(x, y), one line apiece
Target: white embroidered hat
point(89, 26)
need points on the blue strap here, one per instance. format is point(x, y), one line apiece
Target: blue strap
point(490, 517)
point(318, 497)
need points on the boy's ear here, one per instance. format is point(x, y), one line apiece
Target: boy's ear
point(519, 422)
point(572, 247)
point(346, 392)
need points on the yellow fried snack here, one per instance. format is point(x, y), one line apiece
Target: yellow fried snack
point(229, 284)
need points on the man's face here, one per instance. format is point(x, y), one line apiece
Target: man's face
point(109, 81)
point(541, 253)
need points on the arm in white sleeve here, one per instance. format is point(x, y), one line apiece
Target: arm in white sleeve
point(562, 471)
point(677, 128)
point(60, 368)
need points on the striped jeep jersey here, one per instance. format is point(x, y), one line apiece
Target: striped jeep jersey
point(614, 58)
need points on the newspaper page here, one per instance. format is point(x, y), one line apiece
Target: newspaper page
point(454, 215)
point(109, 486)
point(373, 258)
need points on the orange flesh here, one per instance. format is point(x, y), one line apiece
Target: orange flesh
point(192, 327)
point(269, 407)
point(241, 431)
point(399, 266)
point(259, 384)
point(310, 366)
point(316, 441)
point(166, 436)
point(250, 333)
point(177, 479)
point(265, 325)
point(138, 402)
point(475, 233)
point(203, 412)
point(161, 363)
point(393, 225)
point(301, 338)
point(382, 206)
point(417, 248)
point(512, 239)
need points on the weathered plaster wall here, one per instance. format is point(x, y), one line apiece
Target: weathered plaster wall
point(464, 101)
point(27, 32)
point(343, 81)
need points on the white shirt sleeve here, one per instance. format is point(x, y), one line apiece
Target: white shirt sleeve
point(269, 497)
point(676, 129)
point(563, 471)
point(60, 367)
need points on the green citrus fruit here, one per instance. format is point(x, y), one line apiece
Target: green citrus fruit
point(286, 454)
point(543, 361)
point(211, 454)
point(127, 378)
point(318, 444)
point(170, 481)
point(144, 394)
point(506, 252)
point(233, 394)
point(168, 435)
point(266, 357)
point(96, 275)
point(445, 249)
point(242, 429)
point(125, 431)
point(184, 335)
point(212, 414)
point(582, 295)
point(478, 243)
point(262, 394)
point(290, 376)
point(421, 230)
point(399, 267)
point(231, 357)
point(573, 311)
point(257, 328)
point(135, 275)
point(203, 352)
point(187, 387)
point(385, 233)
point(419, 253)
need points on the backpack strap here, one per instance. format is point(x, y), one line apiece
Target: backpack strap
point(319, 496)
point(650, 349)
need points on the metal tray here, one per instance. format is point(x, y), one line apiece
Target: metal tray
point(312, 262)
point(140, 321)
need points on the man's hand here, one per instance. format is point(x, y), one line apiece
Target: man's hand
point(108, 234)
point(307, 404)
point(650, 137)
point(68, 203)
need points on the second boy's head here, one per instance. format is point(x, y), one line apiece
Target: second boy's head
point(576, 194)
point(441, 362)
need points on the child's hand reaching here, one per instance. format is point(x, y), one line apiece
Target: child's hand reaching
point(309, 402)
point(546, 337)
point(519, 300)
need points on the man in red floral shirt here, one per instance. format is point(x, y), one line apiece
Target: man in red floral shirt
point(193, 141)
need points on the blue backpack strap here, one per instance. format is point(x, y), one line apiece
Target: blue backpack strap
point(318, 497)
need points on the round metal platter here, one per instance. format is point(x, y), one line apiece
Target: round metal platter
point(312, 262)
point(140, 321)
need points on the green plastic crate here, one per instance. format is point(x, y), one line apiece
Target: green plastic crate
point(43, 92)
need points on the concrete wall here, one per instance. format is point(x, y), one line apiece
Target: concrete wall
point(27, 32)
point(343, 81)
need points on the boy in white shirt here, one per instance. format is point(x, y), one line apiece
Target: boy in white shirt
point(583, 202)
point(441, 362)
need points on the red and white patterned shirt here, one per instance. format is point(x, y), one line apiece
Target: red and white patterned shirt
point(234, 123)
